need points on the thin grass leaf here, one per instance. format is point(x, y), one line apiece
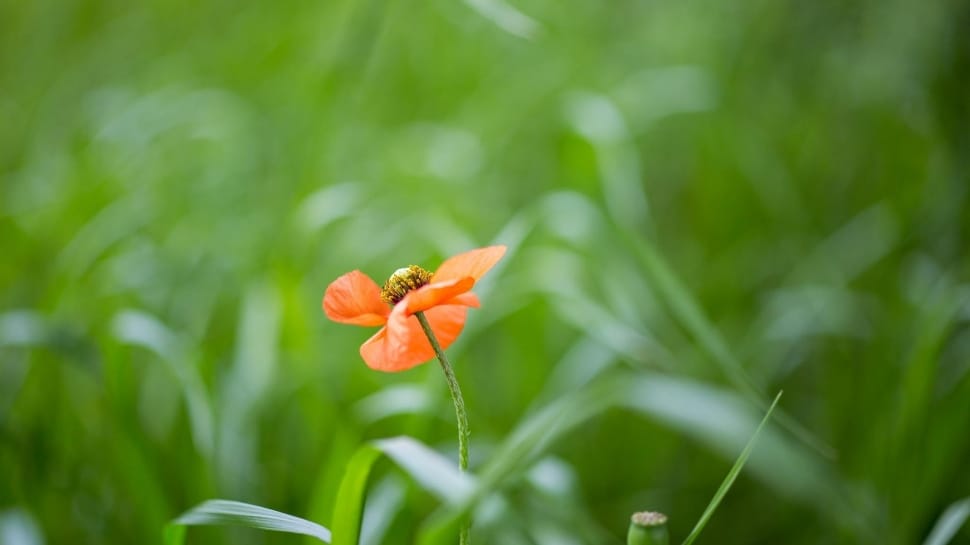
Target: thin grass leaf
point(692, 317)
point(949, 523)
point(731, 476)
point(234, 513)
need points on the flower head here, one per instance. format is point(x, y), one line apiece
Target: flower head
point(443, 297)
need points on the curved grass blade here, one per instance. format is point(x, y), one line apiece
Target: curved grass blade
point(139, 328)
point(731, 476)
point(234, 513)
point(432, 471)
point(349, 508)
point(949, 523)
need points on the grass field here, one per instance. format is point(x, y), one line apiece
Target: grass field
point(705, 203)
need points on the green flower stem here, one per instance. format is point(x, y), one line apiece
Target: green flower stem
point(459, 402)
point(648, 528)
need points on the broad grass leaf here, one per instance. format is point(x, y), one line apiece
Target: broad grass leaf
point(432, 471)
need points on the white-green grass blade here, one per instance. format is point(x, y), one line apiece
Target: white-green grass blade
point(730, 478)
point(949, 523)
point(432, 471)
point(385, 500)
point(17, 527)
point(506, 17)
point(234, 513)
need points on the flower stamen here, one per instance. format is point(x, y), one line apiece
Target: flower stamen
point(403, 281)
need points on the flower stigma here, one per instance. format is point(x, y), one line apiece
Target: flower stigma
point(402, 281)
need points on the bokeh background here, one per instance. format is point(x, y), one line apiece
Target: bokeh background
point(718, 199)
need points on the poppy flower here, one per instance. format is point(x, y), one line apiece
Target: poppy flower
point(443, 297)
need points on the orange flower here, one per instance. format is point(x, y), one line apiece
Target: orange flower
point(443, 297)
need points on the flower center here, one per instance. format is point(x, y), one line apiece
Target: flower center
point(403, 281)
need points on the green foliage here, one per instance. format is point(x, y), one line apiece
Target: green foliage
point(704, 202)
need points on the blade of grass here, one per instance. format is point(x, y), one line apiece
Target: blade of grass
point(234, 513)
point(142, 329)
point(506, 17)
point(432, 471)
point(174, 534)
point(949, 523)
point(349, 507)
point(344, 443)
point(730, 478)
point(384, 502)
point(691, 316)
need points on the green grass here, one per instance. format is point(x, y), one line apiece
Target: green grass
point(704, 203)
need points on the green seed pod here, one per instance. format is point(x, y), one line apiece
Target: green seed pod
point(648, 528)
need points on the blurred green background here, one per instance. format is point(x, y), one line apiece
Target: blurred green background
point(717, 199)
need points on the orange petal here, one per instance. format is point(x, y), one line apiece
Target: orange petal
point(467, 299)
point(402, 344)
point(373, 351)
point(355, 299)
point(435, 293)
point(474, 264)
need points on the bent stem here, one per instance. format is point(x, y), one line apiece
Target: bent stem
point(459, 402)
